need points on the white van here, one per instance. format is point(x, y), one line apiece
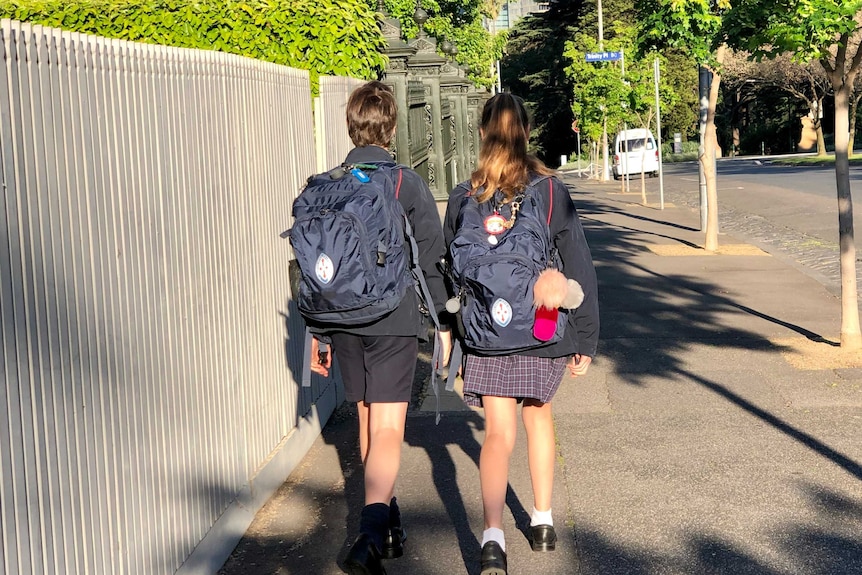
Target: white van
point(635, 151)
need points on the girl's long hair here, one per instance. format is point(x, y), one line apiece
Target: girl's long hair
point(504, 163)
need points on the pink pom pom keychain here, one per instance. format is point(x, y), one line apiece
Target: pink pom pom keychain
point(552, 291)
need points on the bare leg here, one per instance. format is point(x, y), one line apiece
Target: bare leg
point(500, 432)
point(541, 450)
point(363, 408)
point(385, 429)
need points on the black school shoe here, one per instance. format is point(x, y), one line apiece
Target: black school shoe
point(364, 558)
point(393, 543)
point(543, 538)
point(493, 559)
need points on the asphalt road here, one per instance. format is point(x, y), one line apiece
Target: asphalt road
point(790, 211)
point(802, 198)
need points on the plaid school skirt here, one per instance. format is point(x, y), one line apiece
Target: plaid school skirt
point(518, 376)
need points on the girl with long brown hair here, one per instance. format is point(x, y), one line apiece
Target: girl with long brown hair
point(498, 383)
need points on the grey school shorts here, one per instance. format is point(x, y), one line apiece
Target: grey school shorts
point(376, 369)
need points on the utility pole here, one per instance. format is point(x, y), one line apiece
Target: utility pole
point(601, 27)
point(656, 73)
point(605, 122)
point(704, 78)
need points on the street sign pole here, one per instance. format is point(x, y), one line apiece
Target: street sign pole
point(604, 57)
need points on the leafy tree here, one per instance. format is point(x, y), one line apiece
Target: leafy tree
point(694, 25)
point(600, 97)
point(612, 11)
point(679, 69)
point(534, 68)
point(602, 94)
point(827, 31)
point(805, 81)
point(460, 22)
point(679, 74)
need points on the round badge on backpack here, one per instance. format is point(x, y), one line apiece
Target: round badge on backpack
point(501, 312)
point(324, 269)
point(495, 224)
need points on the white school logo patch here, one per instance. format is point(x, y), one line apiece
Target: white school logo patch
point(324, 269)
point(501, 312)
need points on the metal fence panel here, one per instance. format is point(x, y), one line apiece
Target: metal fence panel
point(331, 114)
point(151, 358)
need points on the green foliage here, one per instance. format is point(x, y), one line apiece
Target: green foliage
point(691, 25)
point(599, 92)
point(602, 93)
point(612, 11)
point(679, 75)
point(690, 152)
point(460, 22)
point(807, 28)
point(333, 37)
point(534, 68)
point(545, 63)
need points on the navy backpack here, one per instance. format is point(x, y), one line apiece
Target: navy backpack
point(494, 271)
point(354, 249)
point(349, 239)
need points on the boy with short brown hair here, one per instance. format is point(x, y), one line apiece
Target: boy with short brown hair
point(378, 360)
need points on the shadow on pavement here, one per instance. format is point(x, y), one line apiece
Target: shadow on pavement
point(650, 320)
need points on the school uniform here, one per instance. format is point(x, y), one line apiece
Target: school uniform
point(378, 360)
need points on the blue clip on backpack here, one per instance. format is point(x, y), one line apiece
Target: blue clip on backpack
point(494, 274)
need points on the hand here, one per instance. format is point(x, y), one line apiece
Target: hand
point(316, 366)
point(579, 364)
point(445, 338)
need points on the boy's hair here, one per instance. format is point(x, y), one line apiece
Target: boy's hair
point(371, 115)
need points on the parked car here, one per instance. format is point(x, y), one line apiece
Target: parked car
point(635, 151)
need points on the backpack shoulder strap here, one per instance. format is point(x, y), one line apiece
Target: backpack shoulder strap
point(418, 275)
point(534, 185)
point(398, 184)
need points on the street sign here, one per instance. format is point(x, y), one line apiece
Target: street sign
point(604, 56)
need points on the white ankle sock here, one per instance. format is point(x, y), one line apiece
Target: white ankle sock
point(541, 518)
point(494, 534)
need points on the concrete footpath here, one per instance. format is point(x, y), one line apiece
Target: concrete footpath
point(717, 432)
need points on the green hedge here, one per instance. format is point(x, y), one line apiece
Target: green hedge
point(332, 37)
point(690, 151)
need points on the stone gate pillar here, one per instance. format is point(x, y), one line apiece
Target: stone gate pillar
point(395, 75)
point(454, 85)
point(425, 65)
point(475, 101)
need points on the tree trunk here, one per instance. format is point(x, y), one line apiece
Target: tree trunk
point(851, 337)
point(708, 159)
point(854, 105)
point(821, 141)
